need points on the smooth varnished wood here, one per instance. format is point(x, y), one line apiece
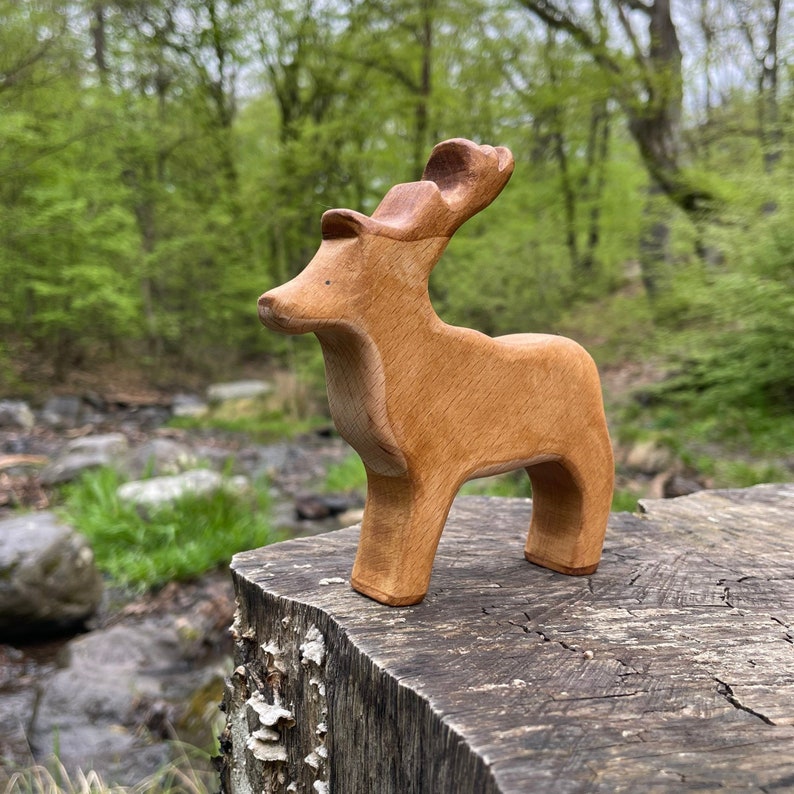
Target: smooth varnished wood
point(670, 669)
point(427, 405)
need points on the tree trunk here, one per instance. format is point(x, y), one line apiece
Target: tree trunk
point(597, 152)
point(425, 87)
point(649, 87)
point(99, 39)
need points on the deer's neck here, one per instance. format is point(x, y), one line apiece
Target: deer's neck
point(361, 359)
point(356, 384)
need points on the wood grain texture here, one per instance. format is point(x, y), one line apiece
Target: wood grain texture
point(670, 669)
point(427, 405)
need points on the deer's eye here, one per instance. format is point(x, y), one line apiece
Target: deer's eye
point(328, 282)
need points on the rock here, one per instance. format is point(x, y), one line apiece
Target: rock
point(70, 467)
point(107, 445)
point(264, 460)
point(16, 413)
point(336, 503)
point(90, 712)
point(113, 699)
point(188, 405)
point(62, 411)
point(648, 457)
point(146, 417)
point(48, 579)
point(238, 390)
point(160, 491)
point(120, 692)
point(312, 507)
point(216, 457)
point(17, 444)
point(84, 453)
point(353, 516)
point(159, 456)
point(19, 695)
point(681, 485)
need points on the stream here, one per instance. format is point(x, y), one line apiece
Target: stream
point(140, 685)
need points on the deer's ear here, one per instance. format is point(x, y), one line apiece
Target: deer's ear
point(338, 224)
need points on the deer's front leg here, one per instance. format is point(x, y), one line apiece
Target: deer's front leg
point(403, 521)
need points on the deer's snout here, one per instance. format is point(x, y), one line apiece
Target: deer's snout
point(268, 312)
point(278, 313)
point(265, 307)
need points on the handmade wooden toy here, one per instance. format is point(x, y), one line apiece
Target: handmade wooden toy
point(429, 406)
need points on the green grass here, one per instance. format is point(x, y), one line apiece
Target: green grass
point(142, 549)
point(728, 473)
point(346, 476)
point(517, 484)
point(512, 484)
point(624, 502)
point(350, 475)
point(262, 426)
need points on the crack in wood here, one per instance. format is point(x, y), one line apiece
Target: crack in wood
point(598, 697)
point(630, 669)
point(540, 633)
point(546, 638)
point(727, 692)
point(789, 636)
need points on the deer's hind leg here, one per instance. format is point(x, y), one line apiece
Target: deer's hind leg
point(570, 510)
point(403, 521)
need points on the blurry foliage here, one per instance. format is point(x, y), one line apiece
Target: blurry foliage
point(152, 190)
point(261, 419)
point(732, 325)
point(163, 163)
point(346, 476)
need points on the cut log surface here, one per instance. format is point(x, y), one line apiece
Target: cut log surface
point(671, 668)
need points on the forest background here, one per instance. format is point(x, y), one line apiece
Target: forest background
point(163, 162)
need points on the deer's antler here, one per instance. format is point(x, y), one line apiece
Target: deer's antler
point(469, 176)
point(460, 179)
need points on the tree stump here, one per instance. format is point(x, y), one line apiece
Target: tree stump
point(670, 668)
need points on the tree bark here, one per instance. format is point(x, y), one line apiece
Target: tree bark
point(424, 88)
point(764, 48)
point(597, 152)
point(98, 35)
point(649, 87)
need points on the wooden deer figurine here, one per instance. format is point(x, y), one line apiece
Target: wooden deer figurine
point(429, 406)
